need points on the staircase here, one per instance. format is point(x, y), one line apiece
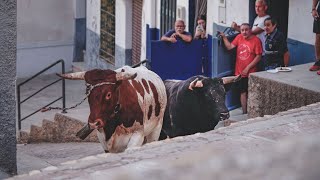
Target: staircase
point(61, 130)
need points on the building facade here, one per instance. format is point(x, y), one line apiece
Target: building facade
point(49, 30)
point(137, 23)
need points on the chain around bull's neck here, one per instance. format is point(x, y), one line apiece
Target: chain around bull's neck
point(90, 87)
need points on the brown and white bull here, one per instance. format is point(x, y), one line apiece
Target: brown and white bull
point(126, 105)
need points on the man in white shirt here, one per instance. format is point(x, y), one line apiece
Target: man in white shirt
point(258, 24)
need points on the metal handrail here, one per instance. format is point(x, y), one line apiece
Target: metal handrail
point(63, 97)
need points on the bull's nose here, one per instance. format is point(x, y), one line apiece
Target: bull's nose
point(98, 123)
point(224, 115)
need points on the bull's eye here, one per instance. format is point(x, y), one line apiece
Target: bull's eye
point(108, 96)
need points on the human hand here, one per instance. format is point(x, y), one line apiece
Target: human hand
point(234, 25)
point(221, 34)
point(244, 73)
point(173, 38)
point(315, 14)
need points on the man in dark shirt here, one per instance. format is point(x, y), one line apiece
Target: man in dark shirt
point(177, 33)
point(316, 29)
point(276, 50)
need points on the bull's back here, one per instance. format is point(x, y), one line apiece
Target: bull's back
point(152, 96)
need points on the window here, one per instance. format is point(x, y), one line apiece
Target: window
point(107, 35)
point(168, 15)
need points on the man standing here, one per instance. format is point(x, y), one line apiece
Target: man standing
point(177, 33)
point(248, 55)
point(316, 29)
point(258, 24)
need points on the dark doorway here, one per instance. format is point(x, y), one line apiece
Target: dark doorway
point(167, 15)
point(278, 9)
point(196, 8)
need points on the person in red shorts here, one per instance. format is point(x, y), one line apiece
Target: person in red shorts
point(249, 51)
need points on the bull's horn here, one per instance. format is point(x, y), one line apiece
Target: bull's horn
point(73, 76)
point(195, 83)
point(125, 76)
point(231, 79)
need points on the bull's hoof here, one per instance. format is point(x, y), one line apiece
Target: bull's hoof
point(228, 122)
point(106, 151)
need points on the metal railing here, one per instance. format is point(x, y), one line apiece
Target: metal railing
point(63, 97)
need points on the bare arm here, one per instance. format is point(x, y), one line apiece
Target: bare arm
point(169, 39)
point(314, 11)
point(227, 42)
point(286, 58)
point(257, 30)
point(185, 37)
point(235, 26)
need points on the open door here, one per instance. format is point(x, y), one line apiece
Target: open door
point(278, 9)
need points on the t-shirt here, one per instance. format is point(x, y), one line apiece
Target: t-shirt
point(247, 50)
point(259, 22)
point(169, 33)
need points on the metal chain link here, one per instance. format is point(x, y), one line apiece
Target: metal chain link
point(89, 86)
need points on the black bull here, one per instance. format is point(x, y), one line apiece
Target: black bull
point(194, 105)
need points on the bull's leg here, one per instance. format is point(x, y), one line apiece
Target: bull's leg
point(136, 139)
point(154, 135)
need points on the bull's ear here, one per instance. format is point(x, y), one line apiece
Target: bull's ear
point(73, 76)
point(125, 75)
point(195, 84)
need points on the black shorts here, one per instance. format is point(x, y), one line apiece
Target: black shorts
point(316, 26)
point(242, 85)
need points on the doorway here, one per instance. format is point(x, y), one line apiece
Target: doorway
point(279, 9)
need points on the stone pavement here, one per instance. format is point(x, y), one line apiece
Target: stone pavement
point(283, 146)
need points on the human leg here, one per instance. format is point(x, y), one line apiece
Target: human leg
point(316, 30)
point(316, 66)
point(317, 47)
point(242, 85)
point(243, 100)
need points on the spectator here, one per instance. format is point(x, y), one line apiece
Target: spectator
point(316, 29)
point(201, 28)
point(258, 23)
point(276, 50)
point(248, 55)
point(177, 33)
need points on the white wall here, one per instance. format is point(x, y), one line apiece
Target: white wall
point(124, 23)
point(93, 16)
point(300, 21)
point(80, 8)
point(236, 10)
point(45, 33)
point(185, 4)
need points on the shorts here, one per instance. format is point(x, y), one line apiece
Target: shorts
point(316, 26)
point(242, 85)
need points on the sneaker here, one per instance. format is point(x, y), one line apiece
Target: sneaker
point(316, 66)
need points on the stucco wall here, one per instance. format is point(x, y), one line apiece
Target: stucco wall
point(237, 11)
point(300, 21)
point(8, 39)
point(45, 27)
point(185, 5)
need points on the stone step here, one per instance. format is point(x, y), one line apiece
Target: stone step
point(63, 129)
